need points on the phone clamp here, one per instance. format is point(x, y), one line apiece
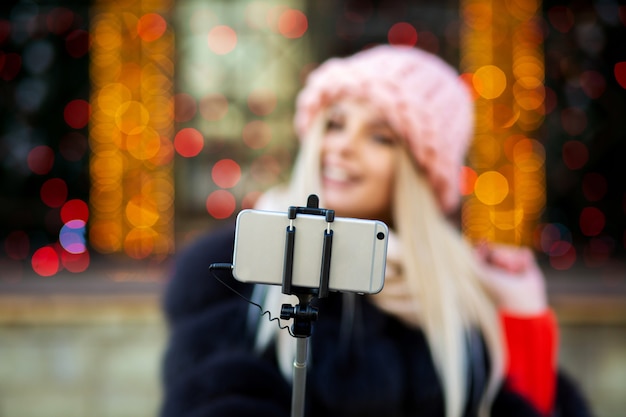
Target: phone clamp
point(312, 207)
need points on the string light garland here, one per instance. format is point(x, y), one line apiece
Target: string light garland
point(502, 62)
point(131, 130)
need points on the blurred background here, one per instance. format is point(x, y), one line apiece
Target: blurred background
point(127, 128)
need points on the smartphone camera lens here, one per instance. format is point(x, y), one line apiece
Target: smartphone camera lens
point(380, 236)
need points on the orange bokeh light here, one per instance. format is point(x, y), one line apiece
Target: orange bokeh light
point(151, 27)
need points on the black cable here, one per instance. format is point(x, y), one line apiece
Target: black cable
point(225, 266)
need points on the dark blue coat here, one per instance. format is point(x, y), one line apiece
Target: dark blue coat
point(381, 369)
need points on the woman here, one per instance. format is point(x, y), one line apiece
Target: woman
point(456, 330)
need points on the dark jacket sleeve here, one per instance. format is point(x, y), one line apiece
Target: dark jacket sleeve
point(209, 368)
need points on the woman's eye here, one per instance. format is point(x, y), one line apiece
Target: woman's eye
point(384, 139)
point(333, 125)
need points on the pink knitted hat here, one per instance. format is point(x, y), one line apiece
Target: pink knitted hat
point(420, 95)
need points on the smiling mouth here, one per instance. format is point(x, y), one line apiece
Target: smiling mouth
point(335, 174)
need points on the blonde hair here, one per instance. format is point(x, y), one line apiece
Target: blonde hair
point(443, 279)
point(440, 271)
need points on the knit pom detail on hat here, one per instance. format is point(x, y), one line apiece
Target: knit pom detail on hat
point(420, 95)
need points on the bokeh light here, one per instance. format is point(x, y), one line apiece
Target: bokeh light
point(491, 188)
point(489, 81)
point(592, 83)
point(226, 173)
point(292, 24)
point(562, 255)
point(575, 154)
point(59, 20)
point(75, 262)
point(188, 142)
point(53, 192)
point(468, 180)
point(45, 261)
point(574, 121)
point(72, 237)
point(256, 134)
point(132, 117)
point(151, 26)
point(141, 211)
point(222, 39)
point(77, 113)
point(213, 107)
point(40, 159)
point(75, 210)
point(77, 43)
point(131, 134)
point(402, 33)
point(592, 221)
point(262, 102)
point(502, 62)
point(221, 204)
point(561, 18)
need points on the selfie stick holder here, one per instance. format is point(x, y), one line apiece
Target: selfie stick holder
point(304, 314)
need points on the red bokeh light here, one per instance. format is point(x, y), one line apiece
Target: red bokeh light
point(592, 83)
point(467, 181)
point(221, 204)
point(45, 261)
point(77, 43)
point(292, 24)
point(75, 262)
point(226, 173)
point(574, 121)
point(402, 33)
point(467, 79)
point(151, 27)
point(592, 221)
point(561, 18)
point(575, 154)
point(76, 113)
point(74, 210)
point(564, 255)
point(53, 192)
point(188, 142)
point(40, 159)
point(428, 41)
point(249, 200)
point(59, 20)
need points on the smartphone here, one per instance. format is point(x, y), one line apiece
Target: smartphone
point(358, 256)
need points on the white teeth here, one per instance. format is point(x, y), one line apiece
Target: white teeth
point(336, 174)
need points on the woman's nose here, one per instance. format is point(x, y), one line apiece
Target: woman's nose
point(347, 141)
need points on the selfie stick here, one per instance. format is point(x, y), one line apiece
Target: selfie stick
point(304, 314)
